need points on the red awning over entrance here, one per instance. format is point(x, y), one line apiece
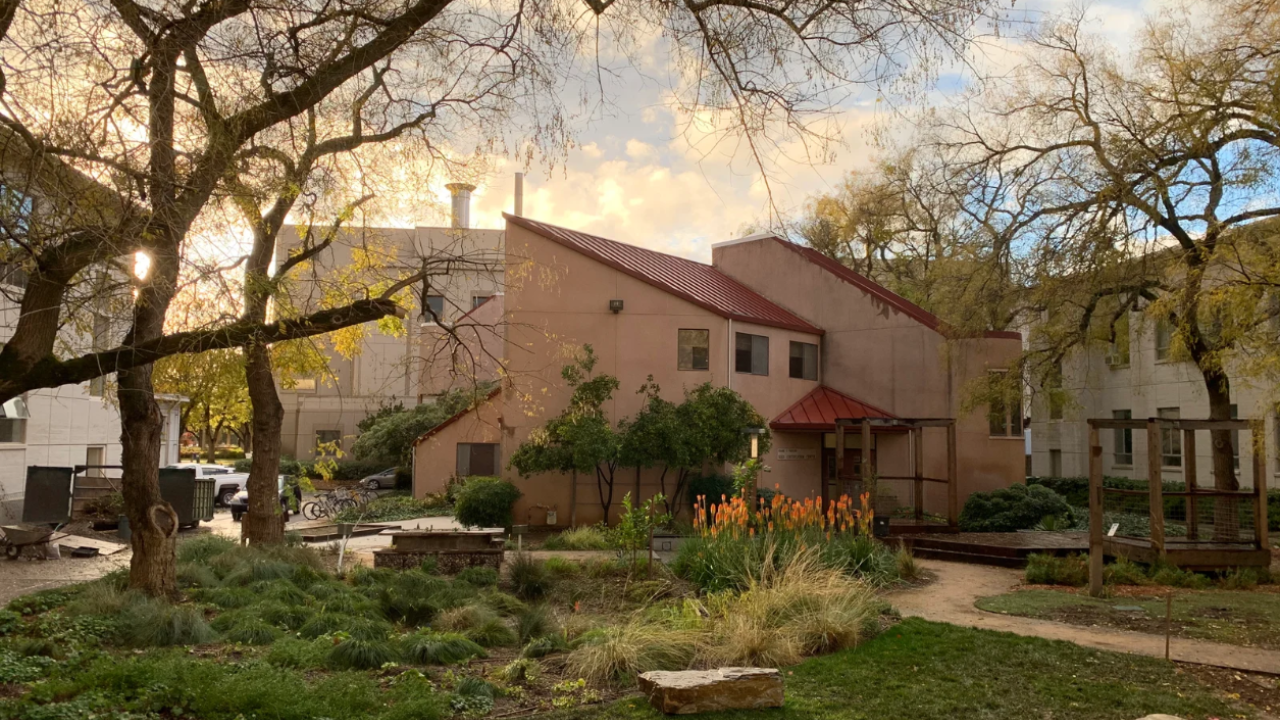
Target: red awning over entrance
point(819, 410)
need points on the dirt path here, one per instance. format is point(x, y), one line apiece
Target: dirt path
point(21, 577)
point(951, 597)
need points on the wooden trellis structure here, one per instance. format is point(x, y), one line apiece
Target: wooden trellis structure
point(1191, 551)
point(916, 427)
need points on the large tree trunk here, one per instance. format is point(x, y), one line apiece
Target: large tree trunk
point(1226, 511)
point(210, 439)
point(152, 521)
point(263, 523)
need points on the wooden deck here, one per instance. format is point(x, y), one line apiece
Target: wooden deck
point(1189, 555)
point(1003, 549)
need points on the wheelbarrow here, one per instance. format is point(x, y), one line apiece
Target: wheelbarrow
point(17, 537)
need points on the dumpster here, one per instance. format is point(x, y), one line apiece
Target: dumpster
point(191, 499)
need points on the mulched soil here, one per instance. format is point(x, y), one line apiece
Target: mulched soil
point(1256, 689)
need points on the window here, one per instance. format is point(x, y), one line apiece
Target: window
point(1054, 392)
point(13, 421)
point(804, 361)
point(97, 386)
point(1235, 439)
point(1118, 353)
point(478, 300)
point(694, 351)
point(95, 456)
point(1164, 338)
point(1055, 463)
point(435, 304)
point(327, 441)
point(1124, 438)
point(1005, 410)
point(478, 459)
point(1170, 439)
point(751, 354)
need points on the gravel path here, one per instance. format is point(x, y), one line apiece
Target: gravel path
point(19, 577)
point(950, 599)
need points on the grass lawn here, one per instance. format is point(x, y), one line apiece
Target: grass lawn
point(924, 671)
point(1250, 618)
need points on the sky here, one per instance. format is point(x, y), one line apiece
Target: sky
point(635, 176)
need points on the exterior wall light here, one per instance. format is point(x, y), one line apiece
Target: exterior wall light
point(755, 434)
point(615, 306)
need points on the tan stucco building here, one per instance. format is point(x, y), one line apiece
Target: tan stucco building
point(802, 338)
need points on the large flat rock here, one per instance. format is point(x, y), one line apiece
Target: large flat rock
point(697, 691)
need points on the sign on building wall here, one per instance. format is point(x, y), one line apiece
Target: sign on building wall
point(797, 454)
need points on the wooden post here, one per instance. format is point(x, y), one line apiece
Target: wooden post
point(917, 436)
point(1095, 513)
point(1189, 473)
point(1155, 485)
point(839, 449)
point(953, 478)
point(1260, 486)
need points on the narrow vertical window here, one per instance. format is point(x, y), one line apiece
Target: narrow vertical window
point(694, 351)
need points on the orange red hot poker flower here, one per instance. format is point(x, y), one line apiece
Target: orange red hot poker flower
point(732, 516)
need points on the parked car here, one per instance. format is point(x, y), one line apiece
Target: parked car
point(226, 482)
point(379, 480)
point(240, 502)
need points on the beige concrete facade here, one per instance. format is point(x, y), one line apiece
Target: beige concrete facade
point(558, 299)
point(466, 269)
point(1098, 386)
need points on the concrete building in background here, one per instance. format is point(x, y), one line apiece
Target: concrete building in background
point(803, 339)
point(388, 371)
point(1137, 377)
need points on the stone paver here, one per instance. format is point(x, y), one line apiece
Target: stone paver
point(951, 598)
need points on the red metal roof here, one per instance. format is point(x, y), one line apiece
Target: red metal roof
point(894, 300)
point(700, 284)
point(820, 409)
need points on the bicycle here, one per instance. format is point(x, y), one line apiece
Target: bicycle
point(325, 505)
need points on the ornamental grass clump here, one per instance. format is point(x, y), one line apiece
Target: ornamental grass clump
point(619, 652)
point(736, 546)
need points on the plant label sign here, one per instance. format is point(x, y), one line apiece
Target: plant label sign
point(1111, 532)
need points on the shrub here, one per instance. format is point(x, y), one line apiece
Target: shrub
point(359, 654)
point(432, 648)
point(519, 671)
point(1125, 572)
point(478, 576)
point(486, 502)
point(1017, 507)
point(1173, 576)
point(529, 577)
point(1045, 569)
point(10, 621)
point(589, 537)
point(711, 488)
point(1244, 578)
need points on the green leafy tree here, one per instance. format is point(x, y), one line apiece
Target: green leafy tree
point(213, 383)
point(580, 439)
point(709, 426)
point(389, 434)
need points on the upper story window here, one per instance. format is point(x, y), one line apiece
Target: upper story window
point(1004, 414)
point(1118, 352)
point(751, 354)
point(1054, 392)
point(694, 351)
point(478, 300)
point(804, 361)
point(435, 306)
point(328, 442)
point(1164, 339)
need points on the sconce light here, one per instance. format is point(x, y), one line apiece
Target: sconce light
point(755, 434)
point(615, 306)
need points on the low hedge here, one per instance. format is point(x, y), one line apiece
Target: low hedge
point(1018, 507)
point(485, 502)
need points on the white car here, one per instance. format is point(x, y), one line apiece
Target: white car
point(226, 483)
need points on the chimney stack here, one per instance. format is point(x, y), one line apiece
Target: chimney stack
point(519, 195)
point(461, 193)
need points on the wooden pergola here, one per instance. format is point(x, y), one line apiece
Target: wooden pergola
point(916, 427)
point(1192, 553)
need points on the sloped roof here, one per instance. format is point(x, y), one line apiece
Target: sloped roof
point(700, 284)
point(889, 297)
point(460, 414)
point(820, 409)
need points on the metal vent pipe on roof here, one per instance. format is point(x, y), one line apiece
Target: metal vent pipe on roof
point(461, 192)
